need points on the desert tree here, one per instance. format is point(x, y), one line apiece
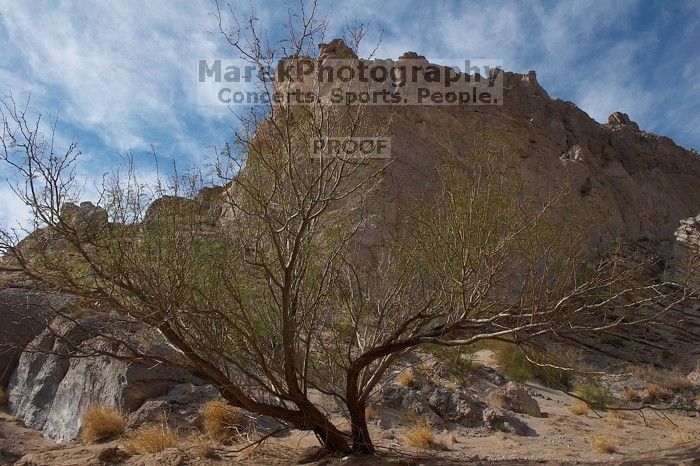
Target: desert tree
point(262, 285)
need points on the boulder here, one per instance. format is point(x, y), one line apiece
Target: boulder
point(514, 397)
point(65, 370)
point(457, 406)
point(435, 404)
point(498, 419)
point(24, 314)
point(180, 406)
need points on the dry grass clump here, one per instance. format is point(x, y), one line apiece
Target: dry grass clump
point(3, 398)
point(669, 380)
point(423, 436)
point(579, 408)
point(631, 394)
point(452, 384)
point(657, 392)
point(202, 446)
point(370, 413)
point(683, 437)
point(615, 421)
point(405, 378)
point(221, 421)
point(102, 423)
point(426, 368)
point(603, 444)
point(151, 439)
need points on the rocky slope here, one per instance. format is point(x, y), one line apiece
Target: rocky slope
point(641, 185)
point(631, 183)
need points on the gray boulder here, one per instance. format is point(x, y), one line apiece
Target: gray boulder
point(24, 314)
point(457, 406)
point(180, 406)
point(514, 397)
point(62, 372)
point(435, 404)
point(498, 419)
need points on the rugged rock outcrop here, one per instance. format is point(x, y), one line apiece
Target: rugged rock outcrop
point(685, 255)
point(621, 119)
point(180, 406)
point(498, 419)
point(24, 314)
point(514, 397)
point(335, 49)
point(436, 405)
point(439, 406)
point(639, 185)
point(66, 368)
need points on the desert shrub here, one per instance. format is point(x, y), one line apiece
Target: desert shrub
point(595, 395)
point(151, 439)
point(458, 361)
point(513, 362)
point(202, 446)
point(516, 366)
point(221, 421)
point(604, 444)
point(405, 378)
point(554, 377)
point(102, 423)
point(3, 398)
point(423, 436)
point(579, 408)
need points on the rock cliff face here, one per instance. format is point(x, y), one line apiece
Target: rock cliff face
point(639, 184)
point(62, 372)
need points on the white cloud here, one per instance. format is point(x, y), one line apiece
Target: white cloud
point(13, 212)
point(117, 69)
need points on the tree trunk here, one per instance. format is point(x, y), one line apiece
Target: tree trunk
point(361, 441)
point(332, 439)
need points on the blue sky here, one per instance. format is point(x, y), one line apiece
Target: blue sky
point(120, 74)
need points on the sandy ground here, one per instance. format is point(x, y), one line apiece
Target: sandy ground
point(562, 437)
point(16, 441)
